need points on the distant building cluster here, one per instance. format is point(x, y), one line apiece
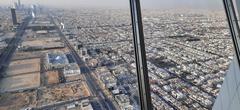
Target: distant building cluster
point(85, 59)
point(188, 53)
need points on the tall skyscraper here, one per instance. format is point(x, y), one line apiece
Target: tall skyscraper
point(14, 16)
point(19, 3)
point(15, 5)
point(34, 10)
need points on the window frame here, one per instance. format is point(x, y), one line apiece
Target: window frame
point(140, 56)
point(233, 25)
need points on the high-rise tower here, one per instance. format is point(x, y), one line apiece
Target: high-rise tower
point(19, 3)
point(14, 16)
point(33, 10)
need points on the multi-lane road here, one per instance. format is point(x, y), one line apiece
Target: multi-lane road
point(102, 99)
point(6, 56)
point(96, 91)
point(12, 45)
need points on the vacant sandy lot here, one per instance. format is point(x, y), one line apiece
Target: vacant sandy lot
point(52, 77)
point(16, 101)
point(23, 66)
point(20, 82)
point(21, 75)
point(63, 92)
point(42, 43)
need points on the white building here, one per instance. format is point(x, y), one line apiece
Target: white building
point(72, 72)
point(123, 102)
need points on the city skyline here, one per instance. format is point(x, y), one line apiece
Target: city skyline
point(155, 4)
point(64, 58)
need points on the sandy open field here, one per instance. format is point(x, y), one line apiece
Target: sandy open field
point(20, 82)
point(42, 43)
point(21, 75)
point(52, 77)
point(27, 55)
point(23, 66)
point(63, 93)
point(9, 101)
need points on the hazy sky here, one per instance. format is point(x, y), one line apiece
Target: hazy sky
point(162, 4)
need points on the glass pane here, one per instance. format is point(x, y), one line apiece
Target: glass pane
point(234, 12)
point(189, 49)
point(74, 54)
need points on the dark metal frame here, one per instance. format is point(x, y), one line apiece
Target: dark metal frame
point(140, 55)
point(234, 26)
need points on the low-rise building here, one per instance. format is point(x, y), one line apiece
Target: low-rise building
point(72, 72)
point(123, 102)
